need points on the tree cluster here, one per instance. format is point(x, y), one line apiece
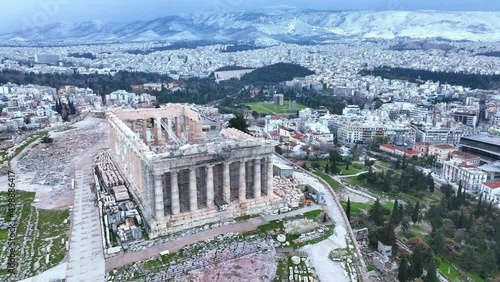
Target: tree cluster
point(479, 81)
point(274, 74)
point(411, 180)
point(102, 84)
point(239, 122)
point(384, 231)
point(413, 267)
point(466, 230)
point(380, 230)
point(314, 100)
point(65, 110)
point(82, 55)
point(202, 91)
point(334, 160)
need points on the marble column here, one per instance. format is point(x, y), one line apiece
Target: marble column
point(187, 128)
point(176, 208)
point(155, 131)
point(133, 125)
point(193, 195)
point(165, 131)
point(256, 179)
point(159, 204)
point(242, 189)
point(210, 186)
point(178, 127)
point(226, 189)
point(270, 188)
point(145, 130)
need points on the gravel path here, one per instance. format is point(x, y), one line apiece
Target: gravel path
point(326, 269)
point(318, 253)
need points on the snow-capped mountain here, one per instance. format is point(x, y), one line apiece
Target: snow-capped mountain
point(275, 25)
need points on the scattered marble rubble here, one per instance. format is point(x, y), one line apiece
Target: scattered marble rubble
point(52, 164)
point(300, 226)
point(192, 261)
point(288, 189)
point(141, 245)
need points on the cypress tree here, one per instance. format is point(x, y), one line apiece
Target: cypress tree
point(437, 242)
point(461, 220)
point(376, 214)
point(58, 107)
point(347, 163)
point(403, 270)
point(416, 212)
point(389, 236)
point(431, 182)
point(479, 208)
point(431, 275)
point(401, 212)
point(238, 122)
point(71, 108)
point(470, 222)
point(395, 212)
point(417, 263)
point(459, 196)
point(397, 163)
point(489, 209)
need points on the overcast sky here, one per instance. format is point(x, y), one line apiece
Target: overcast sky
point(20, 14)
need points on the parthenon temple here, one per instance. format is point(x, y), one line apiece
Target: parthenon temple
point(184, 173)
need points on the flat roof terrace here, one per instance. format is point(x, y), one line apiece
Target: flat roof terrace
point(488, 139)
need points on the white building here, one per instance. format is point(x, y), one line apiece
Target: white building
point(442, 152)
point(470, 177)
point(358, 132)
point(351, 110)
point(491, 192)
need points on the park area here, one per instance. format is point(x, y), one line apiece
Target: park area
point(268, 108)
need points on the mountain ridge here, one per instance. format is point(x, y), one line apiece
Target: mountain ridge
point(277, 25)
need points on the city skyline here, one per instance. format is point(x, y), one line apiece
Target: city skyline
point(39, 13)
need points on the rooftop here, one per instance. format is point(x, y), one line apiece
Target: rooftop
point(493, 140)
point(411, 152)
point(494, 167)
point(388, 146)
point(463, 155)
point(282, 166)
point(423, 143)
point(492, 185)
point(444, 146)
